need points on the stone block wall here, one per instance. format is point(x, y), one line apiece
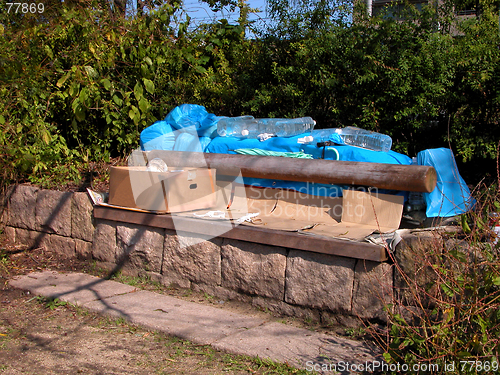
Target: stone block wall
point(283, 280)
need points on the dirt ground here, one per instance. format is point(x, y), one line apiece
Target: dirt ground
point(39, 336)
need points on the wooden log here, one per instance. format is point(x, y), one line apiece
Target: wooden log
point(383, 176)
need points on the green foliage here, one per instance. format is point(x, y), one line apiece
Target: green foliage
point(79, 83)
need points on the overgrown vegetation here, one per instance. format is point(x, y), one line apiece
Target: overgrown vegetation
point(446, 318)
point(78, 83)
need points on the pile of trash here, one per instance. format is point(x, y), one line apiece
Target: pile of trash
point(191, 128)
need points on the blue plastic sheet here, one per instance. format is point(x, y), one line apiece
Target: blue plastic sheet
point(159, 136)
point(189, 119)
point(191, 142)
point(227, 145)
point(451, 196)
point(351, 153)
point(194, 119)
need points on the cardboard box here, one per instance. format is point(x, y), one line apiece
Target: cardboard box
point(173, 191)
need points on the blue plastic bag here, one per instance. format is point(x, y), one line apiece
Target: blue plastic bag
point(190, 142)
point(159, 136)
point(451, 196)
point(193, 119)
point(189, 119)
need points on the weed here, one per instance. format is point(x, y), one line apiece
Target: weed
point(51, 303)
point(454, 316)
point(208, 297)
point(355, 332)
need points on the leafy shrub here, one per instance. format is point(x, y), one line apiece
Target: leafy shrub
point(78, 83)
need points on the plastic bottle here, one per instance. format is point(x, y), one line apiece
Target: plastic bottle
point(284, 127)
point(240, 127)
point(366, 139)
point(324, 135)
point(249, 127)
point(157, 165)
point(353, 136)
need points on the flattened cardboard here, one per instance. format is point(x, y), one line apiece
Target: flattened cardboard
point(176, 191)
point(295, 211)
point(364, 213)
point(355, 216)
point(276, 208)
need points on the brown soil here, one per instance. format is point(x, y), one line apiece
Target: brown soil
point(38, 336)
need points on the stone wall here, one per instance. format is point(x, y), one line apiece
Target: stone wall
point(287, 281)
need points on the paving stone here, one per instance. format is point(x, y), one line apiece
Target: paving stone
point(76, 288)
point(319, 281)
point(254, 268)
point(53, 212)
point(201, 324)
point(82, 226)
point(195, 322)
point(296, 346)
point(22, 206)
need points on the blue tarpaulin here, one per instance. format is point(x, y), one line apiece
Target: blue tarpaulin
point(451, 196)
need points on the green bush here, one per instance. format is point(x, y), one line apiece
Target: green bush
point(79, 83)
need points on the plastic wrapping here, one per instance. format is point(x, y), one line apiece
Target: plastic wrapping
point(190, 142)
point(159, 136)
point(451, 196)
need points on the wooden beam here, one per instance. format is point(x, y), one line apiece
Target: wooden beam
point(383, 176)
point(292, 240)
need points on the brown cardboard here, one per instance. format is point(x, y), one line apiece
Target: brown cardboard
point(173, 191)
point(294, 211)
point(354, 216)
point(364, 213)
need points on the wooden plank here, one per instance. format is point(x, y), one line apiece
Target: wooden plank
point(384, 176)
point(292, 240)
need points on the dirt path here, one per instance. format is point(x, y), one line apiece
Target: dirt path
point(38, 336)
